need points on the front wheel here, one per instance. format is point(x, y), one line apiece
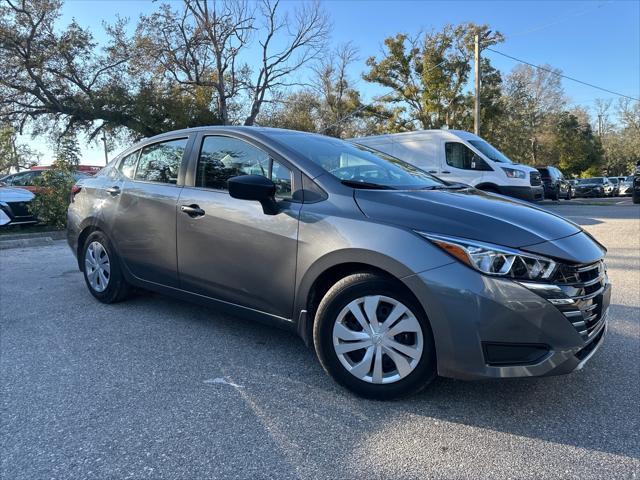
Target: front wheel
point(101, 269)
point(569, 194)
point(373, 338)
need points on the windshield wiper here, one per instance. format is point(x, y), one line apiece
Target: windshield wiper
point(454, 186)
point(368, 185)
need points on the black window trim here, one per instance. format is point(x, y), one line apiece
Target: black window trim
point(118, 164)
point(192, 171)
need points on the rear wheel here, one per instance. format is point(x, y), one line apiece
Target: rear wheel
point(373, 338)
point(101, 268)
point(569, 193)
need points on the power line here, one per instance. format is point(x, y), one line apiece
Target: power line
point(561, 75)
point(558, 20)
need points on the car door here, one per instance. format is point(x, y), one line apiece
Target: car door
point(229, 249)
point(461, 164)
point(145, 199)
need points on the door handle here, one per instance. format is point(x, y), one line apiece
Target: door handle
point(192, 210)
point(433, 171)
point(446, 171)
point(115, 190)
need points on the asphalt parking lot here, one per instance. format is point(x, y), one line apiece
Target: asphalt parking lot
point(157, 388)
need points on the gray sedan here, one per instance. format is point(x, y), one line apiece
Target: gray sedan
point(392, 275)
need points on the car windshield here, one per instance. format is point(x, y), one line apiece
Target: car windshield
point(358, 166)
point(613, 180)
point(490, 151)
point(630, 178)
point(585, 181)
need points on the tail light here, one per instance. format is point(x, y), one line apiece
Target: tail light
point(74, 191)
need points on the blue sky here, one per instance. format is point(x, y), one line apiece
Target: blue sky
point(595, 41)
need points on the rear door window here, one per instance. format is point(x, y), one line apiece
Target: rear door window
point(160, 162)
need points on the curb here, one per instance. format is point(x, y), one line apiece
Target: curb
point(25, 240)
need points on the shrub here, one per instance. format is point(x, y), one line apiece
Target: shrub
point(52, 200)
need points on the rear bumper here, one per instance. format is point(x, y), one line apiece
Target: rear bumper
point(531, 194)
point(482, 311)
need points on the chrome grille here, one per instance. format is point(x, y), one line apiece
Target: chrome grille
point(535, 179)
point(585, 285)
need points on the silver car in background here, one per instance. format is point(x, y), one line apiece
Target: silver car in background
point(14, 206)
point(392, 275)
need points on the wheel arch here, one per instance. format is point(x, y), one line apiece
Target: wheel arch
point(87, 227)
point(323, 274)
point(488, 186)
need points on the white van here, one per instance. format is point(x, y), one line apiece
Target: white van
point(460, 156)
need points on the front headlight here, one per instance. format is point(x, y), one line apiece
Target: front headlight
point(495, 260)
point(513, 173)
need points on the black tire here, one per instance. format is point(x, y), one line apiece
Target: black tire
point(636, 197)
point(336, 299)
point(117, 288)
point(556, 194)
point(569, 194)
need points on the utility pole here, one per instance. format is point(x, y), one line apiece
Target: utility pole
point(600, 125)
point(104, 142)
point(476, 103)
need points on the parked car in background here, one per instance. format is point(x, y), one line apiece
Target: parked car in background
point(392, 274)
point(14, 206)
point(636, 184)
point(626, 186)
point(459, 156)
point(594, 187)
point(555, 185)
point(30, 179)
point(88, 169)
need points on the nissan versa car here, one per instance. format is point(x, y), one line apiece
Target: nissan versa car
point(393, 275)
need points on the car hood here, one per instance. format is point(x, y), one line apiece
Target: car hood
point(466, 213)
point(12, 194)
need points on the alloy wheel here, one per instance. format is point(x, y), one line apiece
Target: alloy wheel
point(97, 266)
point(378, 339)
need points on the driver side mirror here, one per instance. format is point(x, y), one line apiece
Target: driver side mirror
point(256, 188)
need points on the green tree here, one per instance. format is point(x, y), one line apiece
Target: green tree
point(58, 78)
point(531, 100)
point(12, 154)
point(578, 151)
point(492, 107)
point(426, 76)
point(51, 203)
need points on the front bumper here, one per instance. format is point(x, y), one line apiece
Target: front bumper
point(528, 193)
point(590, 192)
point(482, 310)
point(17, 213)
